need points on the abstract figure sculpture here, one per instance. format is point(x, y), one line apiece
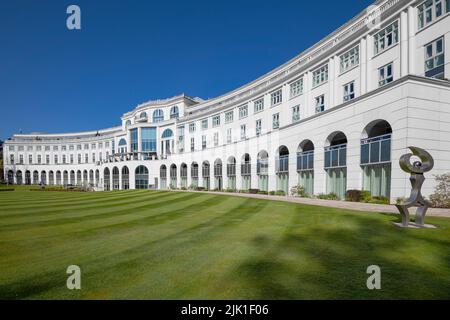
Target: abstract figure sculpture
point(416, 169)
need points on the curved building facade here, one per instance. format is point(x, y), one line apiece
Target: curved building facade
point(336, 117)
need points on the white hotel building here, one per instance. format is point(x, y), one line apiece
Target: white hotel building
point(336, 117)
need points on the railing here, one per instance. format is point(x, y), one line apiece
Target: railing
point(262, 166)
point(336, 156)
point(376, 150)
point(282, 164)
point(231, 170)
point(305, 160)
point(246, 169)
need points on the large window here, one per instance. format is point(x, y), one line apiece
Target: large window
point(216, 139)
point(259, 105)
point(432, 10)
point(336, 156)
point(258, 127)
point(158, 115)
point(276, 97)
point(276, 121)
point(229, 116)
point(376, 149)
point(243, 132)
point(192, 144)
point(149, 139)
point(349, 59)
point(203, 142)
point(320, 103)
point(434, 59)
point(229, 135)
point(216, 121)
point(174, 112)
point(349, 91)
point(295, 113)
point(296, 88)
point(386, 38)
point(192, 127)
point(204, 124)
point(243, 111)
point(134, 140)
point(385, 75)
point(141, 179)
point(320, 75)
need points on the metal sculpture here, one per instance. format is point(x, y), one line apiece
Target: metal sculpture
point(416, 169)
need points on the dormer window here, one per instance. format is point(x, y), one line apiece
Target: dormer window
point(158, 116)
point(174, 112)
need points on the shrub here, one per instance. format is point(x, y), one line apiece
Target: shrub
point(253, 191)
point(441, 196)
point(358, 196)
point(263, 192)
point(199, 188)
point(280, 193)
point(243, 191)
point(230, 190)
point(330, 196)
point(379, 200)
point(183, 188)
point(272, 193)
point(299, 191)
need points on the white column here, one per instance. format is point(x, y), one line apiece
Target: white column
point(363, 68)
point(411, 39)
point(404, 44)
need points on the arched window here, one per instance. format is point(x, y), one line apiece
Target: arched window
point(167, 133)
point(141, 177)
point(174, 113)
point(305, 166)
point(44, 177)
point(128, 123)
point(19, 177)
point(122, 146)
point(158, 115)
point(125, 178)
point(143, 115)
point(107, 179)
point(116, 178)
point(336, 164)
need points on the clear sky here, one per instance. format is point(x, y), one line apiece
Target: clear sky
point(127, 52)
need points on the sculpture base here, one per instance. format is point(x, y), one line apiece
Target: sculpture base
point(412, 225)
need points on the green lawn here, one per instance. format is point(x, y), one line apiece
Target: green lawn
point(169, 245)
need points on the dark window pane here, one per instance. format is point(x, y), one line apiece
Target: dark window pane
point(327, 159)
point(375, 152)
point(364, 153)
point(386, 150)
point(343, 157)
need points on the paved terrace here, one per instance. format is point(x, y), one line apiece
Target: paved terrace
point(359, 206)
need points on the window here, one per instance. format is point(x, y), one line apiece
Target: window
point(134, 140)
point(86, 146)
point(192, 144)
point(386, 38)
point(71, 159)
point(276, 97)
point(47, 159)
point(78, 147)
point(79, 158)
point(320, 75)
point(295, 113)
point(296, 88)
point(192, 127)
point(30, 159)
point(349, 59)
point(203, 142)
point(174, 112)
point(243, 132)
point(64, 159)
point(71, 147)
point(216, 139)
point(63, 148)
point(86, 158)
point(93, 146)
point(229, 136)
point(349, 91)
point(56, 159)
point(148, 139)
point(431, 10)
point(93, 157)
point(434, 59)
point(243, 111)
point(21, 159)
point(55, 148)
point(204, 124)
point(158, 116)
point(258, 127)
point(229, 116)
point(100, 145)
point(259, 105)
point(11, 148)
point(39, 159)
point(276, 121)
point(320, 104)
point(385, 75)
point(216, 121)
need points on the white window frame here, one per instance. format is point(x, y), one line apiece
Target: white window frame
point(276, 121)
point(243, 111)
point(229, 115)
point(296, 113)
point(296, 88)
point(320, 103)
point(258, 105)
point(243, 132)
point(216, 139)
point(229, 135)
point(276, 97)
point(349, 91)
point(192, 127)
point(216, 121)
point(349, 60)
point(383, 79)
point(205, 124)
point(428, 9)
point(381, 38)
point(258, 127)
point(434, 55)
point(320, 75)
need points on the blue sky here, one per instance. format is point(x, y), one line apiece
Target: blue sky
point(128, 52)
